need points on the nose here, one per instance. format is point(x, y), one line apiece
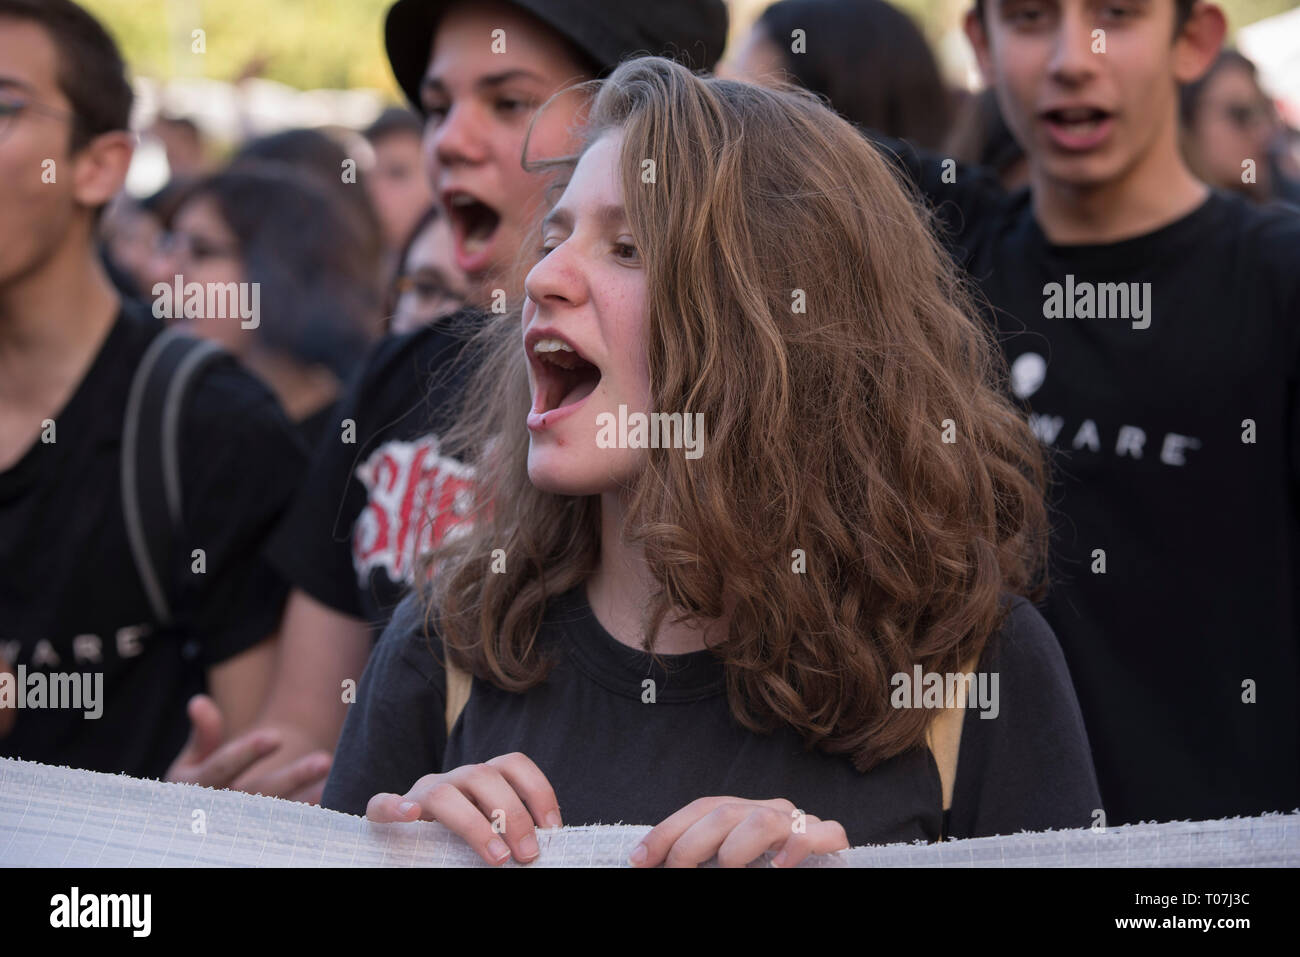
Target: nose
point(457, 139)
point(1073, 59)
point(557, 280)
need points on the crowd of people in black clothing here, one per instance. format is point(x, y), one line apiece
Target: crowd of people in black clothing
point(994, 522)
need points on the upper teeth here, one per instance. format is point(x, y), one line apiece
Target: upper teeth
point(463, 199)
point(551, 345)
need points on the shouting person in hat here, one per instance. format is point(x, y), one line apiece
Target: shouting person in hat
point(381, 491)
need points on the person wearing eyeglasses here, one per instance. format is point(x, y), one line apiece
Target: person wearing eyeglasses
point(428, 285)
point(1229, 129)
point(74, 605)
point(263, 224)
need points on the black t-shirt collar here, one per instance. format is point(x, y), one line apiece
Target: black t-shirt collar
point(1136, 250)
point(624, 670)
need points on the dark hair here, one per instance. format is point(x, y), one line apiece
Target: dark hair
point(869, 59)
point(981, 136)
point(1189, 95)
point(1183, 10)
point(395, 119)
point(319, 302)
point(91, 73)
point(321, 157)
point(164, 204)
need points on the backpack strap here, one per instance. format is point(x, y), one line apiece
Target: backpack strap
point(150, 463)
point(459, 685)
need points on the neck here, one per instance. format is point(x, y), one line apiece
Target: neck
point(53, 321)
point(621, 588)
point(1157, 190)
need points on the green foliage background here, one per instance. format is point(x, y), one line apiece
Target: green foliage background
point(309, 44)
point(339, 43)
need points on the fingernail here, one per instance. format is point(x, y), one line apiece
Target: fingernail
point(497, 849)
point(528, 848)
point(405, 807)
point(553, 819)
point(779, 860)
point(639, 855)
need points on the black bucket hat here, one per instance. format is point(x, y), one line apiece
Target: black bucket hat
point(690, 31)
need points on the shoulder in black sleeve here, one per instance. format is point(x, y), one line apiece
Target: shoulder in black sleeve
point(240, 463)
point(395, 732)
point(408, 387)
point(1029, 768)
point(965, 199)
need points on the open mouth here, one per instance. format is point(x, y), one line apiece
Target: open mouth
point(563, 377)
point(1077, 127)
point(473, 223)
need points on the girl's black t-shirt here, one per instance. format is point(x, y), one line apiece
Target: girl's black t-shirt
point(623, 740)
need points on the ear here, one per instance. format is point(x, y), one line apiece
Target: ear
point(1198, 42)
point(979, 41)
point(99, 169)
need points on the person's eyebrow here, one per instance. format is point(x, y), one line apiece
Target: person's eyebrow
point(559, 216)
point(439, 276)
point(11, 81)
point(608, 215)
point(433, 84)
point(611, 214)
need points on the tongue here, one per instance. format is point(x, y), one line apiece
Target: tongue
point(579, 392)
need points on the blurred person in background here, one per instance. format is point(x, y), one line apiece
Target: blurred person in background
point(426, 285)
point(133, 233)
point(980, 137)
point(1227, 119)
point(183, 143)
point(316, 154)
point(265, 225)
point(370, 508)
point(1118, 285)
point(129, 237)
point(398, 188)
point(77, 606)
point(868, 58)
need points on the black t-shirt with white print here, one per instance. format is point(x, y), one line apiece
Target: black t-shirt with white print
point(380, 492)
point(71, 602)
point(615, 753)
point(1174, 425)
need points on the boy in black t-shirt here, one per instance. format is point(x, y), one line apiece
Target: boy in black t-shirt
point(99, 676)
point(1151, 326)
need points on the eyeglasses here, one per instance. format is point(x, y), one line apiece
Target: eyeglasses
point(10, 109)
point(193, 248)
point(1246, 116)
point(426, 295)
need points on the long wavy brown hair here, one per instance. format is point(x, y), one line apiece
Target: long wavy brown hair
point(828, 428)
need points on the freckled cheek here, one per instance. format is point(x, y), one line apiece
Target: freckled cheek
point(631, 369)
